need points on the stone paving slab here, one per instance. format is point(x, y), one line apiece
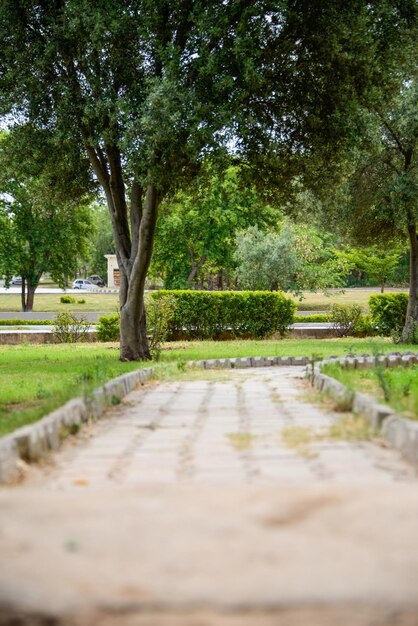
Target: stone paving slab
point(185, 506)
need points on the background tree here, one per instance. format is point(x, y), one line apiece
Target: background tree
point(383, 190)
point(292, 258)
point(150, 88)
point(197, 229)
point(378, 261)
point(44, 228)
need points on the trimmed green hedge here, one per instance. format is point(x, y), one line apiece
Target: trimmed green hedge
point(311, 319)
point(214, 314)
point(388, 311)
point(17, 322)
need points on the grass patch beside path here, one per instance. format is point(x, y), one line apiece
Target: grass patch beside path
point(198, 350)
point(36, 379)
point(397, 387)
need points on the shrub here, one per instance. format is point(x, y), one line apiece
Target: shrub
point(70, 328)
point(388, 312)
point(365, 327)
point(159, 314)
point(344, 318)
point(82, 301)
point(107, 328)
point(212, 314)
point(67, 300)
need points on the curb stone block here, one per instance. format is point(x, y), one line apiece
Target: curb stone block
point(31, 442)
point(299, 360)
point(52, 433)
point(362, 363)
point(9, 458)
point(350, 363)
point(379, 414)
point(241, 362)
point(362, 403)
point(284, 361)
point(258, 361)
point(393, 361)
point(96, 403)
point(395, 431)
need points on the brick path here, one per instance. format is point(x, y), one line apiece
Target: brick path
point(185, 506)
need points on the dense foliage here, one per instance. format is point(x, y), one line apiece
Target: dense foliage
point(45, 221)
point(388, 312)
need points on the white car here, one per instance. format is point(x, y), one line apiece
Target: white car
point(83, 284)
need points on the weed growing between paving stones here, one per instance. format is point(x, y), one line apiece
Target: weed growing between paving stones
point(349, 427)
point(241, 441)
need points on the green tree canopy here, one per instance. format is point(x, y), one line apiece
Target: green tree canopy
point(197, 228)
point(45, 226)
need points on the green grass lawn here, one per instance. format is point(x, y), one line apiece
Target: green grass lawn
point(50, 302)
point(397, 387)
point(35, 379)
point(321, 302)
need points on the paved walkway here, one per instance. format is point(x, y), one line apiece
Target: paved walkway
point(187, 506)
point(222, 432)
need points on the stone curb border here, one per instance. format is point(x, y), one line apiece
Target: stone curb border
point(250, 361)
point(32, 442)
point(401, 433)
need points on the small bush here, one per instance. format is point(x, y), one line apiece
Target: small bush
point(388, 312)
point(344, 318)
point(214, 314)
point(82, 301)
point(108, 328)
point(70, 328)
point(365, 327)
point(67, 300)
point(159, 313)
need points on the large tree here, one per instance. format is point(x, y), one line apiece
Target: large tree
point(382, 192)
point(149, 88)
point(44, 210)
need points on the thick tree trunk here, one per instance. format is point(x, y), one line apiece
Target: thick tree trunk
point(133, 335)
point(23, 294)
point(411, 321)
point(133, 232)
point(27, 295)
point(30, 295)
